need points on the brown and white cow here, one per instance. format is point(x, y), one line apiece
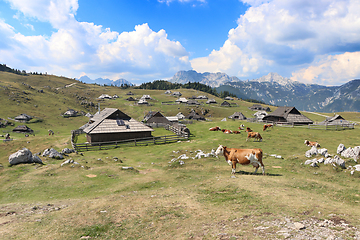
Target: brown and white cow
point(242, 156)
point(254, 135)
point(311, 144)
point(266, 126)
point(248, 129)
point(215, 129)
point(236, 132)
point(227, 131)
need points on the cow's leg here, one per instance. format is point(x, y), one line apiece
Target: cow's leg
point(263, 169)
point(233, 170)
point(256, 169)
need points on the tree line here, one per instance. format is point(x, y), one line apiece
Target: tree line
point(4, 68)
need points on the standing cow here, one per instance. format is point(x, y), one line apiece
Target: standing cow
point(242, 156)
point(254, 135)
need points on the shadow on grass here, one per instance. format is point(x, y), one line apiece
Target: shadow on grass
point(258, 173)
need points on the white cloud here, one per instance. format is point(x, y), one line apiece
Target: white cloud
point(284, 35)
point(331, 70)
point(77, 47)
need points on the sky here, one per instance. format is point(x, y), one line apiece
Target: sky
point(314, 42)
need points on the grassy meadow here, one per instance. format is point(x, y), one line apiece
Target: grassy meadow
point(160, 198)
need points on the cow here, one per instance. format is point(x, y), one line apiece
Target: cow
point(241, 127)
point(310, 144)
point(248, 129)
point(227, 131)
point(266, 126)
point(215, 129)
point(254, 135)
point(236, 132)
point(242, 156)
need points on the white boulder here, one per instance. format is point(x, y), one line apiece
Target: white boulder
point(52, 153)
point(24, 156)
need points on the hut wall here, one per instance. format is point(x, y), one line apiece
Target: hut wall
point(109, 137)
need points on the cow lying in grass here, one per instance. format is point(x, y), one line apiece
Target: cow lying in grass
point(215, 129)
point(254, 135)
point(227, 131)
point(311, 144)
point(242, 156)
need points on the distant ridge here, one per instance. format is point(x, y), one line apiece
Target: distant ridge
point(280, 91)
point(105, 81)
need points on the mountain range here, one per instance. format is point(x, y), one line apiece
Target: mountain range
point(105, 81)
point(276, 90)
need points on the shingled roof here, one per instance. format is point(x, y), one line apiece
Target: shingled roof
point(112, 120)
point(287, 114)
point(335, 120)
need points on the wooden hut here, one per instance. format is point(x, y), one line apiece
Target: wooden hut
point(70, 113)
point(287, 115)
point(130, 99)
point(335, 120)
point(129, 93)
point(237, 116)
point(211, 101)
point(258, 107)
point(113, 125)
point(22, 129)
point(155, 117)
point(181, 100)
point(192, 102)
point(23, 117)
point(142, 102)
point(105, 96)
point(225, 104)
point(180, 115)
point(259, 115)
point(195, 116)
point(176, 94)
point(202, 97)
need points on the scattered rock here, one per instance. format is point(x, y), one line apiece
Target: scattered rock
point(68, 150)
point(52, 153)
point(24, 156)
point(127, 168)
point(354, 168)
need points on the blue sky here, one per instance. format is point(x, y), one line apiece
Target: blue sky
point(144, 40)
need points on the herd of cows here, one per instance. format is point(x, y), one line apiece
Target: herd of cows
point(250, 133)
point(252, 156)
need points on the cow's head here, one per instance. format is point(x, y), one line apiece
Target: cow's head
point(220, 150)
point(306, 142)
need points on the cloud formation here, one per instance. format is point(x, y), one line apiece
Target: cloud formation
point(289, 36)
point(82, 46)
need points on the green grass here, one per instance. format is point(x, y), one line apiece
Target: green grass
point(159, 198)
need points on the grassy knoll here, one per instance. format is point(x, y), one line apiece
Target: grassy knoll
point(161, 199)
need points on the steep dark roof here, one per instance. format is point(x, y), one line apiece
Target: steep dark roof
point(225, 103)
point(335, 120)
point(23, 128)
point(290, 114)
point(238, 115)
point(194, 115)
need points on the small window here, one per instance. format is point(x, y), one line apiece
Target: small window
point(120, 122)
